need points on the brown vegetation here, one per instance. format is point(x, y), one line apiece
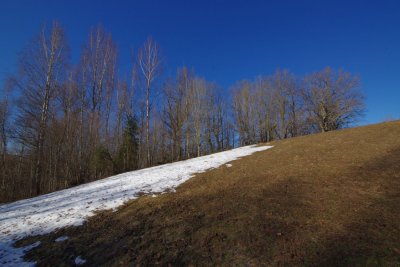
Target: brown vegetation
point(330, 199)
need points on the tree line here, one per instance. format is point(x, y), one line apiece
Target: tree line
point(64, 124)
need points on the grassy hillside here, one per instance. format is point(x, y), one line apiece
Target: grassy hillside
point(326, 199)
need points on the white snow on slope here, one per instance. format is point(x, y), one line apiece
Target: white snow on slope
point(70, 207)
point(79, 261)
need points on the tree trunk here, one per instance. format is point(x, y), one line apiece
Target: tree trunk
point(148, 123)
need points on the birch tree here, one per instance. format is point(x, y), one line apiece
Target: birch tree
point(98, 67)
point(149, 60)
point(41, 69)
point(198, 99)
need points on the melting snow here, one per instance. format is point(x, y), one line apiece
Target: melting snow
point(79, 261)
point(61, 238)
point(71, 207)
point(11, 256)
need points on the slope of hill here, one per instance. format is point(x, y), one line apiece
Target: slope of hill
point(329, 199)
point(70, 207)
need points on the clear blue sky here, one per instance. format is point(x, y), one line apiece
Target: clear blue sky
point(226, 41)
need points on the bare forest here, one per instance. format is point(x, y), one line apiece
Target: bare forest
point(63, 124)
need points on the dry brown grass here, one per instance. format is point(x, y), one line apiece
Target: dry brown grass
point(329, 199)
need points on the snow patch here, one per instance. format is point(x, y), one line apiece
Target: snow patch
point(228, 165)
point(71, 207)
point(61, 238)
point(12, 256)
point(79, 261)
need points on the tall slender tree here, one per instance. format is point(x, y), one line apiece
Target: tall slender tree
point(149, 60)
point(42, 66)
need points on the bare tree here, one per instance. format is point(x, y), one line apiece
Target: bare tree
point(218, 116)
point(98, 61)
point(264, 108)
point(41, 68)
point(245, 112)
point(98, 85)
point(65, 131)
point(285, 95)
point(149, 63)
point(176, 109)
point(197, 114)
point(333, 99)
point(98, 67)
point(4, 133)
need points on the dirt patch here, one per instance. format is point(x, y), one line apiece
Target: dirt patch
point(329, 199)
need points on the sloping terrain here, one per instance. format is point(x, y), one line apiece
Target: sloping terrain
point(71, 207)
point(329, 199)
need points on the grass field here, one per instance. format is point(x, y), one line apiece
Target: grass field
point(330, 199)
